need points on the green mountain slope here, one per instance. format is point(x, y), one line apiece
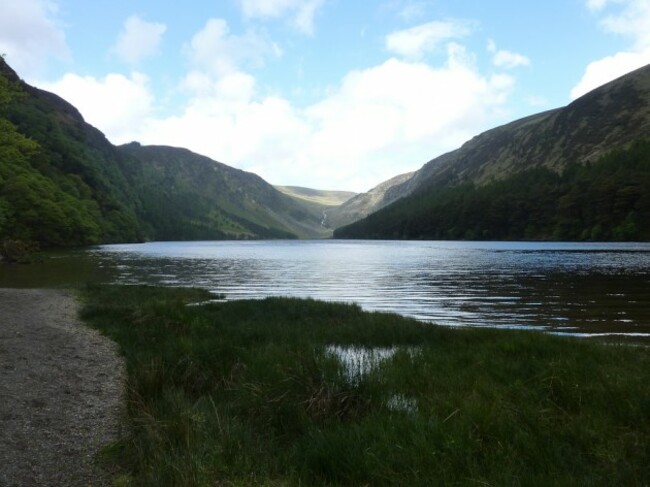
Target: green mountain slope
point(62, 183)
point(580, 172)
point(188, 196)
point(364, 204)
point(324, 205)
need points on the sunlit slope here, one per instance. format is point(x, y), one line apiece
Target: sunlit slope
point(318, 196)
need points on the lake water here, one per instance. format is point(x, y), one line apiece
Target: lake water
point(572, 288)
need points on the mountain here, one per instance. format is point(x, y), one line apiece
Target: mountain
point(364, 204)
point(188, 196)
point(578, 172)
point(62, 183)
point(321, 203)
point(320, 197)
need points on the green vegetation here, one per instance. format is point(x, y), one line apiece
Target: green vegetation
point(62, 184)
point(57, 188)
point(186, 196)
point(247, 393)
point(601, 201)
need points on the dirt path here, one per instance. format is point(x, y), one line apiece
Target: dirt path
point(60, 391)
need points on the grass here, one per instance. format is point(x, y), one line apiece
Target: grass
point(251, 393)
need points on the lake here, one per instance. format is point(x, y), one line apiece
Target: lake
point(575, 288)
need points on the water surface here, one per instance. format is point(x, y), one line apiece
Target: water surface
point(573, 288)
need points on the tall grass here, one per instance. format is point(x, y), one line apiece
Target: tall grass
point(250, 393)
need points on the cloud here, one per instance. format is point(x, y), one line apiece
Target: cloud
point(300, 12)
point(138, 39)
point(395, 116)
point(30, 35)
point(214, 49)
point(376, 123)
point(116, 104)
point(506, 59)
point(631, 20)
point(608, 69)
point(235, 125)
point(417, 41)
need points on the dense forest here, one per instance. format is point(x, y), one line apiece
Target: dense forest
point(600, 201)
point(54, 189)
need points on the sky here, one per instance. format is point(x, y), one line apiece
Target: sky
point(327, 94)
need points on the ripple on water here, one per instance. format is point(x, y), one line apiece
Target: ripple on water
point(503, 284)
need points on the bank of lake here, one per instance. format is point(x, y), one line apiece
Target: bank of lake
point(287, 391)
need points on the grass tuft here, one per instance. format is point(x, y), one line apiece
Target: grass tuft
point(251, 393)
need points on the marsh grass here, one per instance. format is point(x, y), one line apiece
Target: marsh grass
point(250, 393)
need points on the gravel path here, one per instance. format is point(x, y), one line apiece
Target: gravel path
point(61, 392)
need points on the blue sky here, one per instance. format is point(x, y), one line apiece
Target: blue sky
point(331, 94)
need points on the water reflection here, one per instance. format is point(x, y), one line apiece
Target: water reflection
point(58, 269)
point(359, 361)
point(563, 287)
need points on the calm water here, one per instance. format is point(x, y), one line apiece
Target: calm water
point(563, 287)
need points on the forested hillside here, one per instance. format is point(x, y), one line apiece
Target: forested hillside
point(62, 183)
point(604, 200)
point(574, 173)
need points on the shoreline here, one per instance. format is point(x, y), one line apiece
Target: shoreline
point(62, 389)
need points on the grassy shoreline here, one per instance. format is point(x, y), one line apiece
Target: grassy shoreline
point(255, 393)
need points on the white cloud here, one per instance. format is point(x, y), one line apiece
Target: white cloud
point(216, 50)
point(378, 122)
point(138, 39)
point(506, 59)
point(509, 59)
point(30, 34)
point(608, 69)
point(631, 20)
point(394, 117)
point(416, 41)
point(234, 125)
point(116, 104)
point(300, 12)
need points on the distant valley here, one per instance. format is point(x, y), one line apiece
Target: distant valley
point(581, 172)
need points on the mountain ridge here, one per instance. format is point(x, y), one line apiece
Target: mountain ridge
point(454, 167)
point(62, 183)
point(611, 118)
